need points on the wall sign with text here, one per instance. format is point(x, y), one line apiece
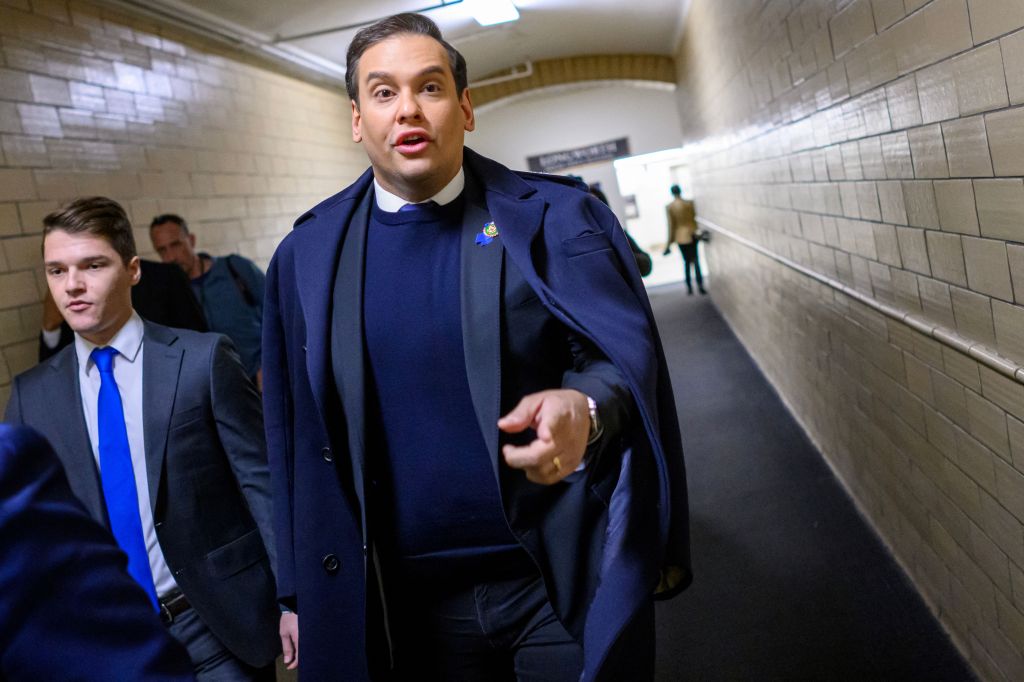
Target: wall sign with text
point(602, 151)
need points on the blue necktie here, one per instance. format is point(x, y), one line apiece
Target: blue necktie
point(420, 207)
point(117, 475)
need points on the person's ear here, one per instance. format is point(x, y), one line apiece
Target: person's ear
point(466, 104)
point(357, 134)
point(135, 270)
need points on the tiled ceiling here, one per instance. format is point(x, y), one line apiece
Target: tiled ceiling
point(546, 28)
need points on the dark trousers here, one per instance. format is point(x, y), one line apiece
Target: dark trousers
point(690, 258)
point(498, 631)
point(210, 660)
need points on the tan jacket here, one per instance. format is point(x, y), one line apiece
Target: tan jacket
point(682, 221)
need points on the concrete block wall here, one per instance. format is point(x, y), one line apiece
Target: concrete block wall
point(879, 144)
point(95, 101)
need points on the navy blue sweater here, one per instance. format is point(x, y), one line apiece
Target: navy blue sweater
point(436, 481)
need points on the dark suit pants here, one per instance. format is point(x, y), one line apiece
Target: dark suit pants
point(495, 632)
point(691, 259)
point(210, 660)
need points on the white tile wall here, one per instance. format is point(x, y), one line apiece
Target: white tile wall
point(916, 113)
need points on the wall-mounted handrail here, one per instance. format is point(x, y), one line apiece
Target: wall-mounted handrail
point(944, 335)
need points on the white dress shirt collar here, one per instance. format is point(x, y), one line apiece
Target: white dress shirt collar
point(386, 201)
point(127, 342)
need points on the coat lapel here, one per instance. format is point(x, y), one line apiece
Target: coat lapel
point(522, 220)
point(318, 244)
point(492, 193)
point(346, 336)
point(76, 450)
point(518, 215)
point(161, 364)
point(480, 283)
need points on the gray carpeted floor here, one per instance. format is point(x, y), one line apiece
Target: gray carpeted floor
point(791, 583)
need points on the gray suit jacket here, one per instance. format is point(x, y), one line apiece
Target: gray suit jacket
point(207, 468)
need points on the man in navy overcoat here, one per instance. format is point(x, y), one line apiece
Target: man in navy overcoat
point(475, 456)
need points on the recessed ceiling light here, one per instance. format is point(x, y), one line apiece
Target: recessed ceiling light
point(490, 12)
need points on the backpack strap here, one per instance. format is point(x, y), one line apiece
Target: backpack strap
point(243, 286)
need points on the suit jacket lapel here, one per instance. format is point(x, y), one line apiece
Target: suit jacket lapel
point(481, 275)
point(161, 364)
point(75, 450)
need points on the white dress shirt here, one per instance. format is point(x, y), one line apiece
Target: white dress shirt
point(386, 201)
point(128, 342)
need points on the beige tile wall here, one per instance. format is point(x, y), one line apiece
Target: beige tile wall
point(881, 143)
point(93, 101)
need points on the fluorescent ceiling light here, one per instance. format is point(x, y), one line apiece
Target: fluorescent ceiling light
point(490, 12)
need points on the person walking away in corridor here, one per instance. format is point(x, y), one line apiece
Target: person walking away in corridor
point(682, 230)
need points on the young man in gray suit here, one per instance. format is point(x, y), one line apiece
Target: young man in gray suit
point(160, 433)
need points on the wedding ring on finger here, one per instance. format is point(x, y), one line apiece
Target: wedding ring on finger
point(558, 464)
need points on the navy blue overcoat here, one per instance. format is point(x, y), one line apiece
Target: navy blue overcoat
point(605, 541)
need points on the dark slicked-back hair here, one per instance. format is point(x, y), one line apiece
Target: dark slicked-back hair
point(676, 190)
point(169, 218)
point(97, 216)
point(398, 24)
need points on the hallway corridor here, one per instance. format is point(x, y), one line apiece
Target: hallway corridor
point(791, 584)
